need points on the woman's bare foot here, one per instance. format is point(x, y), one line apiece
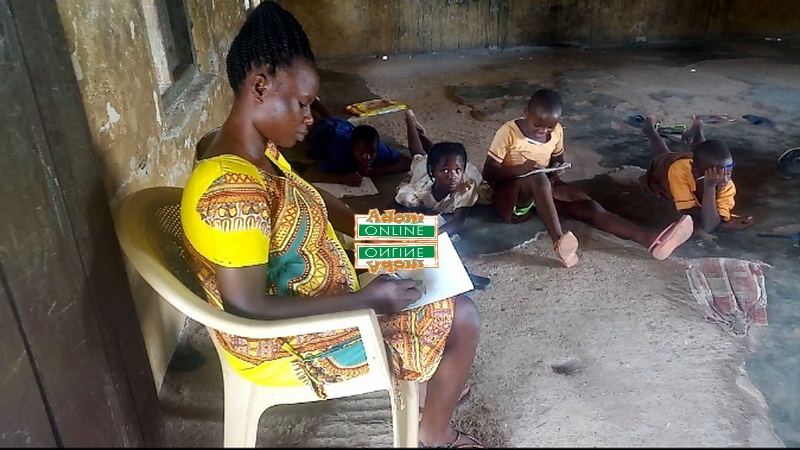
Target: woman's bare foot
point(694, 135)
point(413, 118)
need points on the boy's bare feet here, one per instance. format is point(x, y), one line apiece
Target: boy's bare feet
point(412, 117)
point(694, 135)
point(649, 123)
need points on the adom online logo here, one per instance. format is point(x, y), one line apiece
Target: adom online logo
point(395, 241)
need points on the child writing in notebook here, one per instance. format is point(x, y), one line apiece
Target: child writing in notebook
point(441, 181)
point(536, 141)
point(697, 182)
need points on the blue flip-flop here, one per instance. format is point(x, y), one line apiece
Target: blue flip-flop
point(636, 120)
point(758, 120)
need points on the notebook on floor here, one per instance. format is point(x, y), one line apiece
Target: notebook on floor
point(375, 107)
point(367, 187)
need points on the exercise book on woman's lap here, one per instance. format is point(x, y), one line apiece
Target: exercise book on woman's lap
point(447, 280)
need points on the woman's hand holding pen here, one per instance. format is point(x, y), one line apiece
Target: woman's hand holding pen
point(387, 295)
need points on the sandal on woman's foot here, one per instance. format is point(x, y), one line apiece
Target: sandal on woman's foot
point(673, 236)
point(465, 393)
point(462, 440)
point(567, 249)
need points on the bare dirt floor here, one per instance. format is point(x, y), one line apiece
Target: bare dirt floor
point(612, 352)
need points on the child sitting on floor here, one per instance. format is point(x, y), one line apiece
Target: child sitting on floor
point(674, 176)
point(347, 153)
point(536, 141)
point(441, 181)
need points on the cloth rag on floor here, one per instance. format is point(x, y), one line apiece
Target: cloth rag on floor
point(731, 291)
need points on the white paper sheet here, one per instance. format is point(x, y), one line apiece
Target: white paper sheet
point(447, 280)
point(546, 170)
point(367, 187)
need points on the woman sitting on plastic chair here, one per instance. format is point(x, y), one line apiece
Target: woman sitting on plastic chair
point(262, 243)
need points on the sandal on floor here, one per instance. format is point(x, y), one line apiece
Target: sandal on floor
point(673, 236)
point(676, 128)
point(460, 435)
point(461, 399)
point(636, 120)
point(521, 211)
point(567, 249)
point(714, 118)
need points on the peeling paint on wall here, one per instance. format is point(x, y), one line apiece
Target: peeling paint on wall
point(140, 144)
point(113, 117)
point(76, 66)
point(156, 103)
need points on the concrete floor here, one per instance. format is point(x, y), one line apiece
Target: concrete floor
point(191, 397)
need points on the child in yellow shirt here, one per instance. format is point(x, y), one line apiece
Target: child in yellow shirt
point(536, 141)
point(676, 176)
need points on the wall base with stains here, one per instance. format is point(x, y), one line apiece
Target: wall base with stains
point(349, 28)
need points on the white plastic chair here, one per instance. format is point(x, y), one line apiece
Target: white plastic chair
point(149, 231)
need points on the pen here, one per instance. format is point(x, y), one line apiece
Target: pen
point(729, 166)
point(419, 284)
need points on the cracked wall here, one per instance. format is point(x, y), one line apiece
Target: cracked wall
point(140, 137)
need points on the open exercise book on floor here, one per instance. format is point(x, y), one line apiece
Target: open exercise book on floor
point(367, 187)
point(447, 280)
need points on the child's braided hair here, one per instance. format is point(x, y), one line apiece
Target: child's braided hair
point(272, 37)
point(442, 149)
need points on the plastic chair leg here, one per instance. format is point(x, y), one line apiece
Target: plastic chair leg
point(240, 422)
point(406, 420)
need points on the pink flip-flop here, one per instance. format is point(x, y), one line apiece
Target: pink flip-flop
point(672, 237)
point(567, 249)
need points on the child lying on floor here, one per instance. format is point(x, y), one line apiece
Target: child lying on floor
point(537, 141)
point(674, 176)
point(347, 153)
point(441, 181)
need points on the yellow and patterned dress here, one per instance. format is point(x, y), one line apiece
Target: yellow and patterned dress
point(235, 215)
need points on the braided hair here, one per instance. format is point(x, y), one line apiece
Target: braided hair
point(440, 150)
point(272, 37)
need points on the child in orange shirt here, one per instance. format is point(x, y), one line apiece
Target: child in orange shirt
point(537, 141)
point(674, 176)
